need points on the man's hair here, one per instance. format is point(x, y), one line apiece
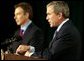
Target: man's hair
point(26, 7)
point(60, 6)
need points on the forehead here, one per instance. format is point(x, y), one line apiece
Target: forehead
point(18, 10)
point(50, 9)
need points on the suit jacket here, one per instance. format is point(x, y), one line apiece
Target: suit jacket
point(33, 36)
point(66, 45)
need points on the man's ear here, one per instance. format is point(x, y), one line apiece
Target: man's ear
point(27, 15)
point(60, 15)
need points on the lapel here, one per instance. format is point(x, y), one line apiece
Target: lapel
point(54, 38)
point(57, 34)
point(28, 33)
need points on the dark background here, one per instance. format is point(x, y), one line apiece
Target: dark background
point(8, 25)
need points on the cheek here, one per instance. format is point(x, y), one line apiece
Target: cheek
point(54, 21)
point(52, 17)
point(19, 19)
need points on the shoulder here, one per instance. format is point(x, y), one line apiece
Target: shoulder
point(35, 27)
point(68, 28)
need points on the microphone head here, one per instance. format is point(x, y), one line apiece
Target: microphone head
point(14, 38)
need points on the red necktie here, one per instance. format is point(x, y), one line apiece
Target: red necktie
point(21, 32)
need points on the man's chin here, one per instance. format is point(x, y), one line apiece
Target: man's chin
point(51, 26)
point(18, 24)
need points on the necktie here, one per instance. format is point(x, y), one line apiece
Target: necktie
point(21, 32)
point(55, 33)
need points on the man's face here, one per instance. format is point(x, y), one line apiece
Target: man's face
point(20, 17)
point(52, 17)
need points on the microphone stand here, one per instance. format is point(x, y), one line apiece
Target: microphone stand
point(2, 54)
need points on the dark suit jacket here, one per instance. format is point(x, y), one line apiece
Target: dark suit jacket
point(66, 45)
point(33, 36)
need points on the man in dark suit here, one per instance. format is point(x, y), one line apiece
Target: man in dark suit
point(32, 36)
point(66, 42)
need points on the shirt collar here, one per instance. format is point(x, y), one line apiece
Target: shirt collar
point(62, 24)
point(24, 27)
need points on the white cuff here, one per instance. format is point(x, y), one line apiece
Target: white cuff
point(30, 51)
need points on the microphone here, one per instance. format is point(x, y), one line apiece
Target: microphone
point(14, 38)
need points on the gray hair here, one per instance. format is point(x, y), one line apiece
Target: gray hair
point(60, 6)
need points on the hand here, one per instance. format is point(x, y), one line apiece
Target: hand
point(30, 52)
point(22, 49)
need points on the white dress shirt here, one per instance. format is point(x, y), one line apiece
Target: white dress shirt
point(59, 27)
point(24, 27)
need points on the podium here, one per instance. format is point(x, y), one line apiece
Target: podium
point(20, 57)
